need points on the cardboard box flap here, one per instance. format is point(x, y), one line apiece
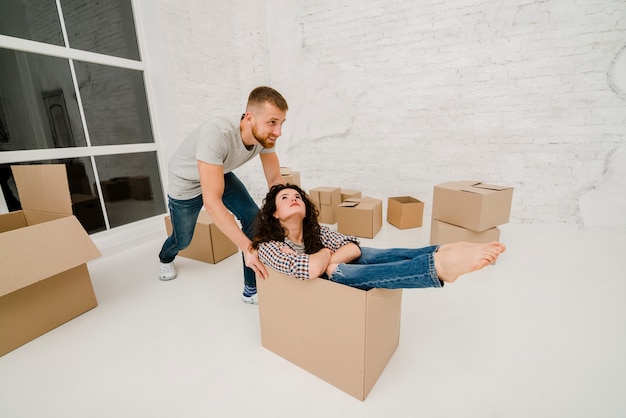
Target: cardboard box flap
point(43, 188)
point(34, 253)
point(350, 203)
point(492, 187)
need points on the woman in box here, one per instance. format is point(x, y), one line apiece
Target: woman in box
point(290, 240)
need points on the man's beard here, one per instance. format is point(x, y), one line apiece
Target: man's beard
point(263, 141)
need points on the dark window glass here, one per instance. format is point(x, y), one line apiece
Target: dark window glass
point(131, 187)
point(115, 105)
point(106, 27)
point(38, 106)
point(85, 202)
point(35, 20)
point(130, 184)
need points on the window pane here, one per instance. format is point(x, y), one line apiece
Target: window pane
point(85, 202)
point(106, 27)
point(114, 101)
point(131, 187)
point(38, 107)
point(35, 20)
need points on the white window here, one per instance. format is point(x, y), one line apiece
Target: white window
point(72, 91)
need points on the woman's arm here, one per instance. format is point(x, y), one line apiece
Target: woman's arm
point(346, 253)
point(318, 262)
point(283, 259)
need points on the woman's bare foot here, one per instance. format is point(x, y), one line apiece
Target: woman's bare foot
point(455, 259)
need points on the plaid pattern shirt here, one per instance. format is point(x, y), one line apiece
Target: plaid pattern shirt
point(297, 265)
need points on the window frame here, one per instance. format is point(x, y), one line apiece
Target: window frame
point(146, 21)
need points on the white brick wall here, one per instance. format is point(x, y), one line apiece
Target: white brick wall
point(393, 97)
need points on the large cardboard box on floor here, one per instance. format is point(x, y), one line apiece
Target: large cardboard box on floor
point(326, 200)
point(44, 280)
point(444, 233)
point(405, 212)
point(208, 244)
point(472, 204)
point(343, 335)
point(360, 217)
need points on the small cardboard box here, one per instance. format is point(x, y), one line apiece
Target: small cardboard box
point(208, 244)
point(472, 204)
point(140, 188)
point(360, 217)
point(87, 209)
point(326, 200)
point(444, 233)
point(44, 280)
point(343, 335)
point(291, 177)
point(350, 194)
point(405, 212)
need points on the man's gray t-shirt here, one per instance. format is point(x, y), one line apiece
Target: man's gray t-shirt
point(217, 141)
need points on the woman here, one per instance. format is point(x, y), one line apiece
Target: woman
point(290, 240)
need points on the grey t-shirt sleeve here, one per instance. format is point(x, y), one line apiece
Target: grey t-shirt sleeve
point(212, 144)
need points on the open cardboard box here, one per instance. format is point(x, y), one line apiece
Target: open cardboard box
point(405, 212)
point(208, 244)
point(472, 204)
point(360, 217)
point(44, 280)
point(343, 335)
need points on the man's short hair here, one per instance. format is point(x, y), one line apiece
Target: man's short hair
point(264, 94)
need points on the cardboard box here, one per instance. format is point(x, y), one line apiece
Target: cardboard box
point(115, 189)
point(291, 177)
point(87, 209)
point(405, 212)
point(360, 217)
point(350, 194)
point(472, 204)
point(140, 188)
point(326, 200)
point(444, 233)
point(208, 244)
point(343, 335)
point(44, 280)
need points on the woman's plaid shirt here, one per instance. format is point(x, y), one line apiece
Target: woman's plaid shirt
point(297, 265)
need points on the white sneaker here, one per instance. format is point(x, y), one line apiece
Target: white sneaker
point(251, 300)
point(167, 271)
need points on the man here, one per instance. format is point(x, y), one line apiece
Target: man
point(200, 173)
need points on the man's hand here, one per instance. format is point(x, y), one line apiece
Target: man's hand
point(251, 258)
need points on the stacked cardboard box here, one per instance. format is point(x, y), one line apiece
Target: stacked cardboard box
point(326, 199)
point(208, 244)
point(360, 217)
point(44, 280)
point(469, 211)
point(343, 335)
point(405, 212)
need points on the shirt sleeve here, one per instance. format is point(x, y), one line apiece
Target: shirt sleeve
point(294, 265)
point(334, 240)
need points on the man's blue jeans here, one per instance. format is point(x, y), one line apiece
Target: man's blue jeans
point(392, 268)
point(184, 214)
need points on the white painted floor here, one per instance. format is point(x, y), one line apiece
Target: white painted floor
point(540, 334)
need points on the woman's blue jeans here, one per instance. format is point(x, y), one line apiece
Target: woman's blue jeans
point(184, 214)
point(392, 268)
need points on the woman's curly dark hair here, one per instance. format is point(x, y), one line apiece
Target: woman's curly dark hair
point(268, 228)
